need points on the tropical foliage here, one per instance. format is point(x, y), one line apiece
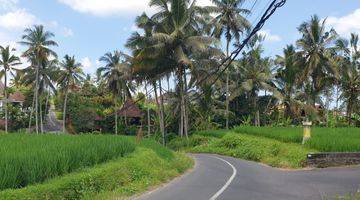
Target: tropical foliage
point(175, 79)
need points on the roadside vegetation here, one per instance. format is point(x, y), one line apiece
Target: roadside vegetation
point(346, 139)
point(254, 148)
point(130, 168)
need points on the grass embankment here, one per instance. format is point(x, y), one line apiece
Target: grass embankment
point(135, 168)
point(264, 150)
point(322, 139)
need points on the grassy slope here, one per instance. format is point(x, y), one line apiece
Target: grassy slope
point(149, 165)
point(323, 139)
point(259, 149)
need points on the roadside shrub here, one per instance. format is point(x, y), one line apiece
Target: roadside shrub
point(230, 141)
point(183, 143)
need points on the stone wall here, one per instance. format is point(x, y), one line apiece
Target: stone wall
point(333, 159)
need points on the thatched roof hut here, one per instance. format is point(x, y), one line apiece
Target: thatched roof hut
point(130, 109)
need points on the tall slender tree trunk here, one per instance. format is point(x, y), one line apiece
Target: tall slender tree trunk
point(185, 97)
point(162, 113)
point(349, 112)
point(158, 110)
point(31, 112)
point(37, 99)
point(148, 111)
point(181, 89)
point(116, 115)
point(125, 117)
point(64, 111)
point(227, 87)
point(41, 117)
point(47, 102)
point(6, 103)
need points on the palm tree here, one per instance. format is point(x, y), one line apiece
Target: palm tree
point(174, 41)
point(117, 74)
point(38, 42)
point(230, 22)
point(47, 76)
point(256, 74)
point(350, 74)
point(71, 74)
point(287, 78)
point(315, 47)
point(7, 61)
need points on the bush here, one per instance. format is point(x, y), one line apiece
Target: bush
point(183, 143)
point(29, 159)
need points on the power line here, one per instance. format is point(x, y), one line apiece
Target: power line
point(274, 5)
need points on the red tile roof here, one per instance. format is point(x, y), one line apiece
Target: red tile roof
point(17, 97)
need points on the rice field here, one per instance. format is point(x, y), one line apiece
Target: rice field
point(323, 139)
point(28, 159)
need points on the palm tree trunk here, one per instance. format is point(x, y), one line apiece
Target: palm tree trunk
point(162, 113)
point(181, 89)
point(47, 101)
point(185, 97)
point(6, 104)
point(41, 117)
point(349, 111)
point(64, 112)
point(148, 111)
point(116, 116)
point(37, 99)
point(158, 108)
point(31, 112)
point(125, 117)
point(227, 87)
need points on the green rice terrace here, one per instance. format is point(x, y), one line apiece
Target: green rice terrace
point(77, 167)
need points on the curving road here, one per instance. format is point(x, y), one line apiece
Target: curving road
point(220, 177)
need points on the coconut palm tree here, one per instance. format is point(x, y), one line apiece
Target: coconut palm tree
point(350, 74)
point(230, 22)
point(70, 74)
point(315, 48)
point(117, 74)
point(7, 61)
point(38, 41)
point(256, 75)
point(47, 77)
point(287, 78)
point(174, 41)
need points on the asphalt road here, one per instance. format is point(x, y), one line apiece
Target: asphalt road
point(220, 177)
point(51, 123)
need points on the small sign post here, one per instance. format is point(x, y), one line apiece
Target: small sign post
point(307, 131)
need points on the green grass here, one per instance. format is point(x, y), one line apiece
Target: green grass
point(149, 165)
point(28, 159)
point(323, 139)
point(248, 147)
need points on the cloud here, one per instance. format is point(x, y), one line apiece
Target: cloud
point(17, 19)
point(8, 4)
point(346, 24)
point(269, 37)
point(68, 32)
point(114, 7)
point(86, 63)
